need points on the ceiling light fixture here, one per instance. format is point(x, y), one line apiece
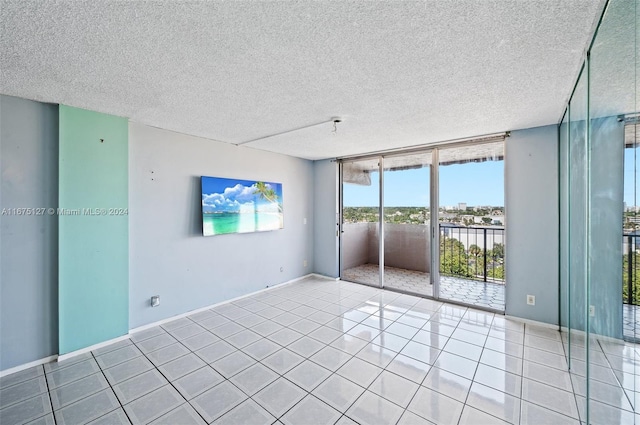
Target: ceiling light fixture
point(334, 120)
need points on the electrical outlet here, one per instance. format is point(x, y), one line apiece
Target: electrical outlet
point(531, 299)
point(155, 301)
point(281, 269)
point(592, 310)
point(304, 263)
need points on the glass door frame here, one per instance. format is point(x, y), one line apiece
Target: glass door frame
point(381, 221)
point(340, 221)
point(433, 191)
point(434, 225)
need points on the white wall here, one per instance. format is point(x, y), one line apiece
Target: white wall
point(28, 243)
point(168, 254)
point(531, 197)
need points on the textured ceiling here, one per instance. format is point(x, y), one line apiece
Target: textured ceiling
point(615, 62)
point(398, 73)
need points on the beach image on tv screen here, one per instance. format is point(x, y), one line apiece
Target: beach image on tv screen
point(240, 206)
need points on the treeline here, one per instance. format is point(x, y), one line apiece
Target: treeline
point(399, 215)
point(414, 215)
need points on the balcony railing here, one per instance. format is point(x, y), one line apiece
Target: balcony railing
point(472, 252)
point(630, 270)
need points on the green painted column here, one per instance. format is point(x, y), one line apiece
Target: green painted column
point(93, 247)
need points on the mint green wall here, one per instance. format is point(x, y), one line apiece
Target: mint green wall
point(93, 249)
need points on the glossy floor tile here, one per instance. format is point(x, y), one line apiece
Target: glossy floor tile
point(326, 352)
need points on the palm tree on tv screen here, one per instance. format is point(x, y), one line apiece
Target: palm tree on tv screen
point(265, 192)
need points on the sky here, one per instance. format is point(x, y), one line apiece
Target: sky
point(473, 183)
point(629, 174)
point(225, 195)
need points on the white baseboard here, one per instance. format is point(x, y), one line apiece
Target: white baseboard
point(27, 365)
point(594, 336)
point(564, 329)
point(321, 276)
point(209, 307)
point(532, 322)
point(66, 356)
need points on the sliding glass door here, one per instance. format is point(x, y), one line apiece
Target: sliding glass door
point(360, 249)
point(407, 216)
point(472, 225)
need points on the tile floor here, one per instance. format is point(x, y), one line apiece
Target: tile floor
point(326, 352)
point(482, 294)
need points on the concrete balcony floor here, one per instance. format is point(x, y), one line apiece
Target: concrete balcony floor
point(486, 295)
point(631, 322)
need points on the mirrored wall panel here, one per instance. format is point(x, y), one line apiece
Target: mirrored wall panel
point(599, 223)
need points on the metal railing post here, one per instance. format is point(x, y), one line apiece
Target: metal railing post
point(630, 270)
point(484, 232)
point(441, 246)
point(458, 249)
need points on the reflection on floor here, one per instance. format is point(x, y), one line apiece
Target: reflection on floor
point(614, 370)
point(321, 351)
point(486, 295)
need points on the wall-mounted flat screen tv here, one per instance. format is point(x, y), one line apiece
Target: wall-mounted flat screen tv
point(240, 206)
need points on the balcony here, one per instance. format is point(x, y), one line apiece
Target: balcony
point(471, 260)
point(631, 285)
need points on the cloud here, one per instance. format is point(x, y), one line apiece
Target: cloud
point(240, 193)
point(230, 200)
point(212, 200)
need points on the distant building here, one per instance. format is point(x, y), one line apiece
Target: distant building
point(447, 216)
point(497, 219)
point(462, 206)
